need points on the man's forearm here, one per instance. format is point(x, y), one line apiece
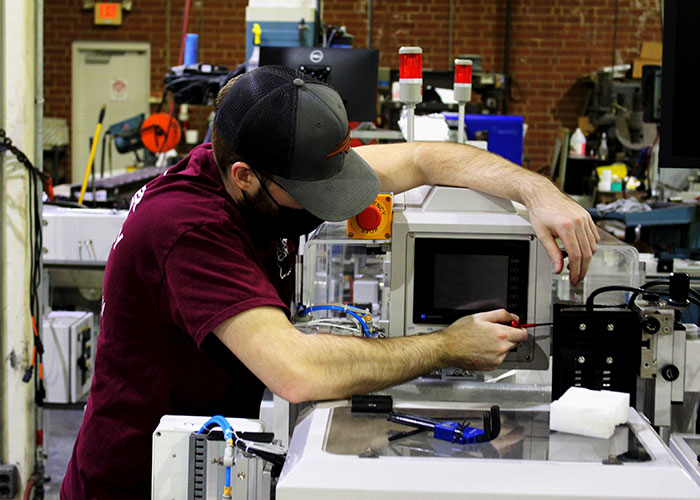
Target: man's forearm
point(353, 365)
point(302, 367)
point(468, 166)
point(405, 166)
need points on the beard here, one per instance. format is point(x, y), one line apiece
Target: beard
point(266, 219)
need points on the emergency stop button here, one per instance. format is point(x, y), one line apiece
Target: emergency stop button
point(369, 218)
point(374, 222)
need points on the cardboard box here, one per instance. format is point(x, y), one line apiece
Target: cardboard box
point(651, 50)
point(639, 63)
point(584, 123)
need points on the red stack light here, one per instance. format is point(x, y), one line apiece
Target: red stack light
point(463, 80)
point(463, 73)
point(410, 66)
point(411, 75)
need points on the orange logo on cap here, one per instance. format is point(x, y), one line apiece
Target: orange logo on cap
point(342, 147)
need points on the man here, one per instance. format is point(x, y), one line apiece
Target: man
point(195, 315)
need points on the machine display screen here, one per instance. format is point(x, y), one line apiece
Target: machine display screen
point(450, 292)
point(456, 277)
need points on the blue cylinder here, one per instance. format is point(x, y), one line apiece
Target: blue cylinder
point(191, 43)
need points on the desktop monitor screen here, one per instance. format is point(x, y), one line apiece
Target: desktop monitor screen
point(352, 72)
point(680, 73)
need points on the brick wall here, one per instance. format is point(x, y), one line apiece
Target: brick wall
point(553, 43)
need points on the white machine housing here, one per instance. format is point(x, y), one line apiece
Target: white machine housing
point(81, 237)
point(70, 341)
point(473, 219)
point(561, 472)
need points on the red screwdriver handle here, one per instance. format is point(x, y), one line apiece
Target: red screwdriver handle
point(516, 324)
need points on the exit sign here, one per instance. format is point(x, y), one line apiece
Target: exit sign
point(108, 13)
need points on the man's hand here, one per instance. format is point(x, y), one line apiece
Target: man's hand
point(482, 341)
point(555, 215)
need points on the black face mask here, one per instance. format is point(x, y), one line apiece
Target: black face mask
point(292, 223)
point(276, 220)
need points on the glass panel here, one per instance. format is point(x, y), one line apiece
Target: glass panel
point(525, 435)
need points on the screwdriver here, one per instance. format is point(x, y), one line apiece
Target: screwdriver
point(516, 324)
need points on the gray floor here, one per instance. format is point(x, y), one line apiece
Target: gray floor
point(60, 429)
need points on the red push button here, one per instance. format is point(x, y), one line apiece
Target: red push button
point(369, 218)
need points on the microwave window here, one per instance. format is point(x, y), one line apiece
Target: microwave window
point(470, 282)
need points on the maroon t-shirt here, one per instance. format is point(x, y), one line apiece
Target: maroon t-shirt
point(183, 262)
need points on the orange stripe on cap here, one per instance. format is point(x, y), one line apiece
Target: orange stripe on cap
point(342, 147)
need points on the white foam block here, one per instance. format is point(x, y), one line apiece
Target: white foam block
point(589, 413)
point(621, 402)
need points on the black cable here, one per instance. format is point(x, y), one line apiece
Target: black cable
point(265, 455)
point(613, 288)
point(36, 176)
point(167, 132)
point(650, 284)
point(275, 459)
point(692, 299)
point(655, 283)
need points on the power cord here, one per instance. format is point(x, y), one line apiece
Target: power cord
point(35, 484)
point(36, 176)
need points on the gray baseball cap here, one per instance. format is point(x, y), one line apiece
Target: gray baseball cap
point(294, 129)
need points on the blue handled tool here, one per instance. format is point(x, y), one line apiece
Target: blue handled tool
point(453, 432)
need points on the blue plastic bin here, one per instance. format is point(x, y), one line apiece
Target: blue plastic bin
point(505, 133)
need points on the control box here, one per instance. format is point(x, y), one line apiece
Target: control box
point(70, 341)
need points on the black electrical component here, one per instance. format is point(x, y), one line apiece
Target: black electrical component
point(372, 404)
point(679, 289)
point(651, 93)
point(596, 349)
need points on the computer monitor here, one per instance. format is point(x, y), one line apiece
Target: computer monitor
point(352, 72)
point(680, 107)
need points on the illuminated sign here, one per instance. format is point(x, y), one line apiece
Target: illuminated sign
point(108, 13)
